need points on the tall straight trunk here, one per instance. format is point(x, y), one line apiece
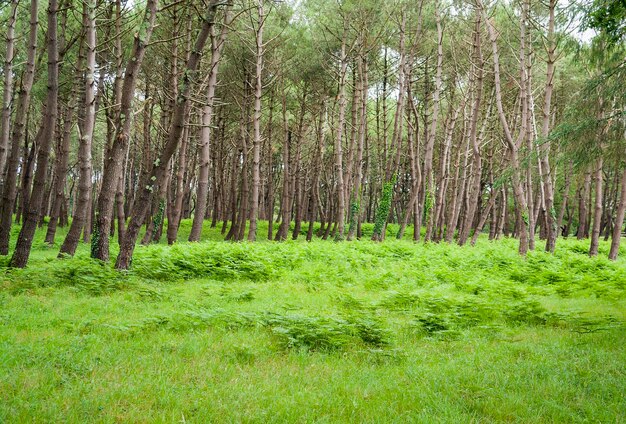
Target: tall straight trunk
point(513, 145)
point(25, 238)
point(181, 111)
point(296, 175)
point(317, 168)
point(355, 208)
point(619, 221)
point(9, 189)
point(445, 170)
point(256, 142)
point(548, 188)
point(429, 177)
point(341, 199)
point(7, 96)
point(83, 198)
point(597, 211)
point(474, 191)
point(285, 201)
point(217, 44)
point(391, 168)
point(458, 194)
point(270, 170)
point(115, 158)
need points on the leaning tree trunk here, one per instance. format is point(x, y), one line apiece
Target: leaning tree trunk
point(181, 111)
point(115, 158)
point(25, 238)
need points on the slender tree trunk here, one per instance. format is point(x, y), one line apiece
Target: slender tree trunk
point(341, 199)
point(566, 188)
point(619, 221)
point(202, 195)
point(256, 142)
point(597, 212)
point(286, 201)
point(391, 168)
point(548, 188)
point(429, 177)
point(518, 189)
point(474, 191)
point(582, 207)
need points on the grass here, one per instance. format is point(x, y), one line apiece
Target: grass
point(315, 332)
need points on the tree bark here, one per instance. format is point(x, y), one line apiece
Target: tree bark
point(597, 212)
point(202, 193)
point(115, 158)
point(25, 238)
point(9, 190)
point(180, 113)
point(5, 119)
point(518, 190)
point(256, 142)
point(619, 221)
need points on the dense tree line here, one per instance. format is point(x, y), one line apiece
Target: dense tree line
point(121, 119)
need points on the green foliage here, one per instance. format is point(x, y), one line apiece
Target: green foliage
point(383, 208)
point(288, 328)
point(355, 209)
point(608, 17)
point(325, 334)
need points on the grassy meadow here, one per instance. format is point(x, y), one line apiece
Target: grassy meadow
point(315, 332)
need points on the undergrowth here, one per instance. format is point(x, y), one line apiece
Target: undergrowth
point(323, 324)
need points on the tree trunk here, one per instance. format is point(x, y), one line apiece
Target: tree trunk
point(619, 221)
point(582, 207)
point(202, 192)
point(474, 191)
point(180, 114)
point(5, 119)
point(518, 189)
point(256, 142)
point(25, 238)
point(115, 158)
point(597, 212)
point(9, 189)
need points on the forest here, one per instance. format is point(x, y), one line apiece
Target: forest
point(312, 210)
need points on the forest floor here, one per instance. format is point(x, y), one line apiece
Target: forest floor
point(315, 332)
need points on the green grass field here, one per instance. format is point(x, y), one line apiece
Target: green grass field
point(315, 332)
